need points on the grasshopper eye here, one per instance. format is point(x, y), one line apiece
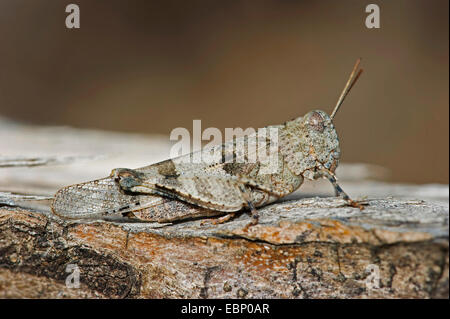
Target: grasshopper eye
point(316, 121)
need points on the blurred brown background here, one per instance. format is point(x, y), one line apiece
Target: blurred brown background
point(151, 66)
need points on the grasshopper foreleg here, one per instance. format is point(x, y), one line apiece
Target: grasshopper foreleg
point(340, 192)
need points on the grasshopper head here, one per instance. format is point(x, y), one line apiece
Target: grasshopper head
point(321, 137)
point(315, 143)
point(322, 140)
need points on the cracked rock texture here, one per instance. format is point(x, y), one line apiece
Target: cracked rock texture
point(304, 248)
point(309, 245)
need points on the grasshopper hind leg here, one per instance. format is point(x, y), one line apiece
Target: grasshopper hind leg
point(248, 202)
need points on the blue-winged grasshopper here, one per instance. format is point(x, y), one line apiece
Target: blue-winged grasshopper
point(176, 189)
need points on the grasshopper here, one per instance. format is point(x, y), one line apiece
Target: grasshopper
point(177, 189)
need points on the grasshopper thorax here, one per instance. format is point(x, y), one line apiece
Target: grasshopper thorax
point(310, 145)
point(322, 142)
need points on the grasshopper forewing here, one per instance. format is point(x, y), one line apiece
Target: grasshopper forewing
point(103, 198)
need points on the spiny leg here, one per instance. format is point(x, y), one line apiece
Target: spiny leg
point(340, 192)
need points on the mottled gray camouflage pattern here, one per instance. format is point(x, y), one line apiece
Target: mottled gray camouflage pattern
point(307, 147)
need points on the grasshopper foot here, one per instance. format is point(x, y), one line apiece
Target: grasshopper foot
point(340, 192)
point(217, 221)
point(356, 204)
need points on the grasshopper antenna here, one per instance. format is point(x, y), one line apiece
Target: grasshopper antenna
point(348, 86)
